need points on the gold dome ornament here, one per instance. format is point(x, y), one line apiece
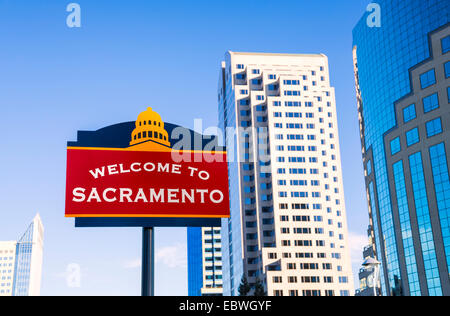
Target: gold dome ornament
point(149, 132)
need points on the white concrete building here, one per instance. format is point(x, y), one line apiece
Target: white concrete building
point(212, 262)
point(21, 262)
point(7, 263)
point(288, 224)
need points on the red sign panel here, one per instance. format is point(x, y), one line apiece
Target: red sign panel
point(103, 182)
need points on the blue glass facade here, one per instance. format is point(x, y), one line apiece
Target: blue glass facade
point(377, 237)
point(384, 57)
point(405, 222)
point(233, 263)
point(441, 180)
point(23, 263)
point(424, 223)
point(195, 261)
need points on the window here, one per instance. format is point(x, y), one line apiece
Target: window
point(297, 159)
point(296, 148)
point(248, 178)
point(256, 82)
point(246, 123)
point(445, 44)
point(412, 137)
point(299, 182)
point(293, 292)
point(249, 201)
point(292, 104)
point(434, 127)
point(395, 146)
point(300, 218)
point(240, 66)
point(292, 82)
point(427, 79)
point(277, 279)
point(293, 114)
point(260, 108)
point(369, 168)
point(409, 113)
point(278, 293)
point(447, 69)
point(249, 189)
point(345, 293)
point(292, 93)
point(295, 137)
point(430, 103)
point(311, 292)
point(299, 194)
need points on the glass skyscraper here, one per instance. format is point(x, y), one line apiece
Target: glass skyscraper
point(21, 262)
point(402, 72)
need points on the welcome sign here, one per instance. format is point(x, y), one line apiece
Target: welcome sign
point(130, 175)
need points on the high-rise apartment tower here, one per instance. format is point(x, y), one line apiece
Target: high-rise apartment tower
point(288, 228)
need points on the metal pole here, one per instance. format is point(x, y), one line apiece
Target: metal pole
point(148, 261)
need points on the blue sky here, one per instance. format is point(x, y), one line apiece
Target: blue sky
point(129, 55)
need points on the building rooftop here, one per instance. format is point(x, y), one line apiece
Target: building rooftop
point(276, 54)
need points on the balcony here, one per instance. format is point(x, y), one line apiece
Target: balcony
point(256, 84)
point(240, 79)
point(273, 90)
point(368, 252)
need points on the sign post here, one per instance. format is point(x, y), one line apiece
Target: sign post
point(148, 261)
point(130, 175)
